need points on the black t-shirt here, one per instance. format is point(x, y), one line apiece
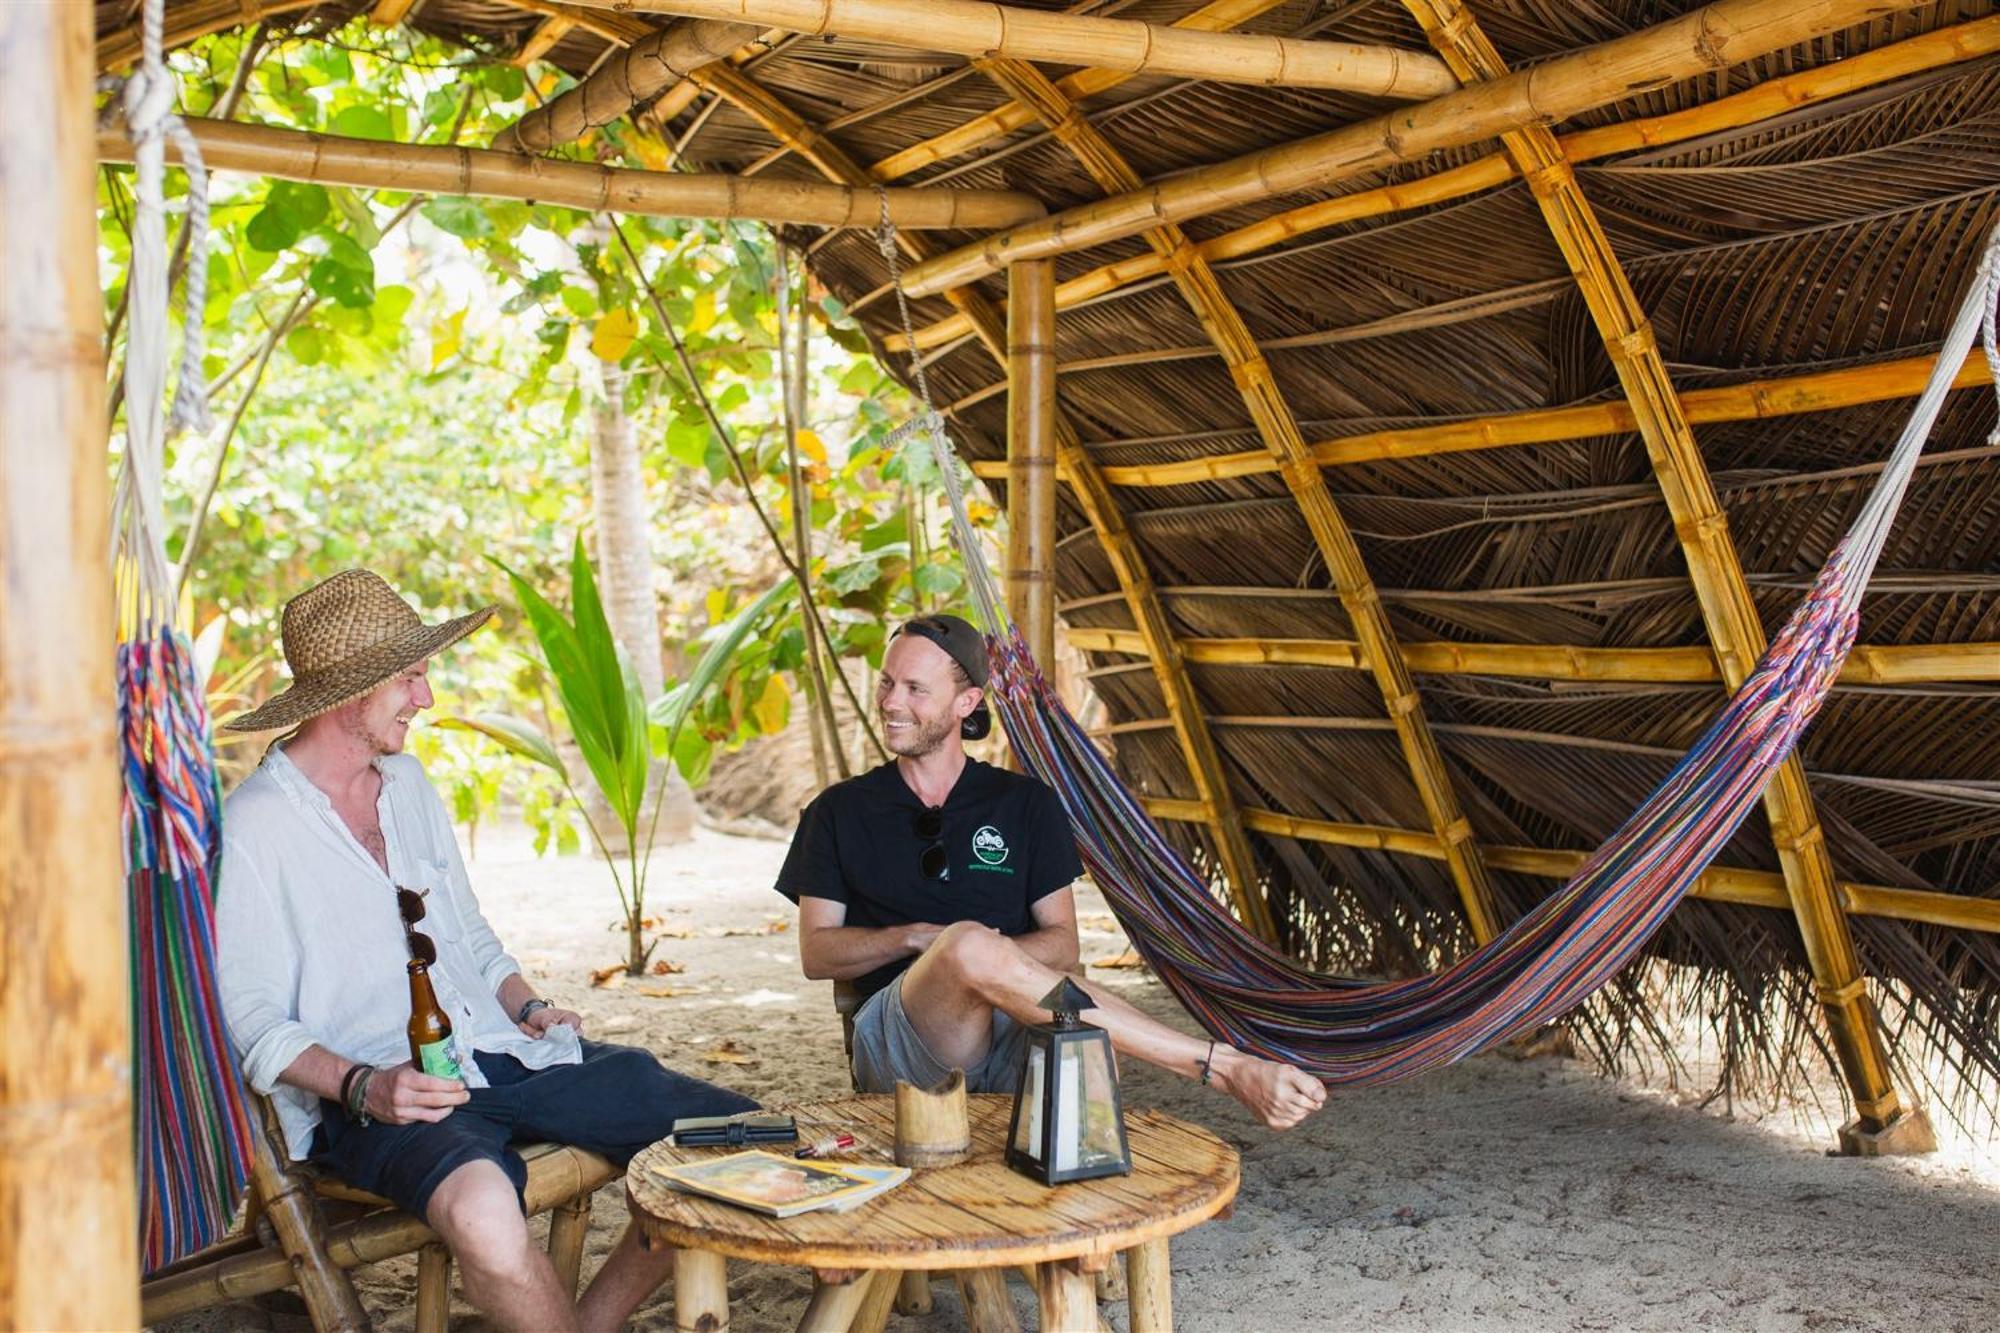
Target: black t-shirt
point(1007, 842)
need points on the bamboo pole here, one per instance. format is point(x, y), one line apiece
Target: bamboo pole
point(1728, 609)
point(616, 28)
point(972, 28)
point(1753, 888)
point(188, 21)
point(1031, 456)
point(388, 13)
point(542, 40)
point(1216, 16)
point(1758, 400)
point(1282, 437)
point(643, 70)
point(439, 169)
point(1868, 664)
point(69, 1224)
point(1931, 50)
point(1708, 39)
point(1128, 563)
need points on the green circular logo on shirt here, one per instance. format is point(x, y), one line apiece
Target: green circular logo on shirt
point(989, 846)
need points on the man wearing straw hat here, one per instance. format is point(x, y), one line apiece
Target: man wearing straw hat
point(338, 867)
point(939, 885)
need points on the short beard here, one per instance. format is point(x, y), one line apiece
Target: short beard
point(928, 738)
point(357, 727)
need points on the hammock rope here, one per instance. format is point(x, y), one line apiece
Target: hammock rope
point(1362, 1033)
point(192, 1133)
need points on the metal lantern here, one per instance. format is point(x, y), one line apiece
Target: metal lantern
point(1068, 1124)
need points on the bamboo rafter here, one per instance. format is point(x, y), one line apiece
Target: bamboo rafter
point(189, 21)
point(1757, 400)
point(1723, 592)
point(1752, 888)
point(1280, 431)
point(440, 169)
point(976, 29)
point(1204, 762)
point(643, 69)
point(1216, 16)
point(543, 40)
point(1869, 664)
point(388, 13)
point(1913, 55)
point(1700, 42)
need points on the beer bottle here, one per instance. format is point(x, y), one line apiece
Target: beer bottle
point(430, 1030)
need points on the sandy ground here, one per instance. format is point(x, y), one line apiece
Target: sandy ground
point(1500, 1194)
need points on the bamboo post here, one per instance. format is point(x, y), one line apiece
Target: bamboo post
point(983, 1293)
point(69, 1224)
point(1931, 50)
point(1280, 431)
point(1728, 609)
point(1152, 1279)
point(1031, 456)
point(972, 28)
point(932, 1125)
point(913, 1293)
point(1719, 35)
point(299, 155)
point(1067, 1296)
point(643, 70)
point(569, 1227)
point(873, 1316)
point(1135, 581)
point(433, 1288)
point(701, 1292)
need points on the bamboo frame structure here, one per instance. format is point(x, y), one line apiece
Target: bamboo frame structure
point(1751, 888)
point(1869, 664)
point(441, 169)
point(642, 70)
point(189, 21)
point(69, 1225)
point(976, 29)
point(1723, 592)
point(388, 13)
point(1135, 581)
point(1708, 39)
point(1755, 400)
point(1216, 16)
point(1280, 431)
point(1912, 55)
point(1031, 455)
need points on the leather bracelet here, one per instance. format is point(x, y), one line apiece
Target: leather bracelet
point(347, 1087)
point(357, 1109)
point(529, 1007)
point(1207, 1064)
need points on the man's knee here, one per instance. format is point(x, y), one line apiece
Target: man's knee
point(478, 1212)
point(976, 953)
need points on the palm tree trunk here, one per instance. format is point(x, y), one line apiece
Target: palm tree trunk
point(624, 553)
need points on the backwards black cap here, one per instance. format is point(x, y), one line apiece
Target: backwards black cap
point(967, 647)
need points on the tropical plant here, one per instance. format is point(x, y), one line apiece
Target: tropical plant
point(606, 713)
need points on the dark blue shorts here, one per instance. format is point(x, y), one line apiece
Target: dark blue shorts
point(619, 1100)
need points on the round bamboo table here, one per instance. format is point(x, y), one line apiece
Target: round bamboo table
point(977, 1218)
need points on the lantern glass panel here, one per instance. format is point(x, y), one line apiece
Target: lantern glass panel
point(1028, 1134)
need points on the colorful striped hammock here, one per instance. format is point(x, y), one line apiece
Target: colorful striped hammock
point(193, 1136)
point(1368, 1032)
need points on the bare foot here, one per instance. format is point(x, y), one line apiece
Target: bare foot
point(1280, 1095)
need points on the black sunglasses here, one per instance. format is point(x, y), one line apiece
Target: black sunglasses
point(934, 860)
point(410, 904)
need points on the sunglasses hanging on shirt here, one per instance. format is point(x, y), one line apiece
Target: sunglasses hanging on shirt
point(410, 905)
point(934, 860)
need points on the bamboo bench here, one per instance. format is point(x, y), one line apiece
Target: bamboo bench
point(305, 1228)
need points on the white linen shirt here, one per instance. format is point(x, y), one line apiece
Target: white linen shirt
point(310, 945)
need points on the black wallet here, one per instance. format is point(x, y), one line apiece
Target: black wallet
point(734, 1131)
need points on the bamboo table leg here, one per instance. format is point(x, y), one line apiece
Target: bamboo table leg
point(914, 1296)
point(701, 1292)
point(1068, 1298)
point(1152, 1287)
point(834, 1304)
point(433, 1288)
point(987, 1308)
point(873, 1316)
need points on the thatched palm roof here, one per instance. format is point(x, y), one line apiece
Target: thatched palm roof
point(1796, 224)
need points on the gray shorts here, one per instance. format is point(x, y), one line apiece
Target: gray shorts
point(887, 1048)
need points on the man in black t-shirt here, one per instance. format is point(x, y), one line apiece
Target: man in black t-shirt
point(939, 885)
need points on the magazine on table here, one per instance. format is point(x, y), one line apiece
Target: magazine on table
point(782, 1186)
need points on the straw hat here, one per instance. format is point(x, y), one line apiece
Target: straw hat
point(344, 637)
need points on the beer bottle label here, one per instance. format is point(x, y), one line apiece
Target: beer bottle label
point(435, 1059)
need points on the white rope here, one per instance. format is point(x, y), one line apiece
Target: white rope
point(148, 97)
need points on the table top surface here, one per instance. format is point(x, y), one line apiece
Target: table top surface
point(979, 1213)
